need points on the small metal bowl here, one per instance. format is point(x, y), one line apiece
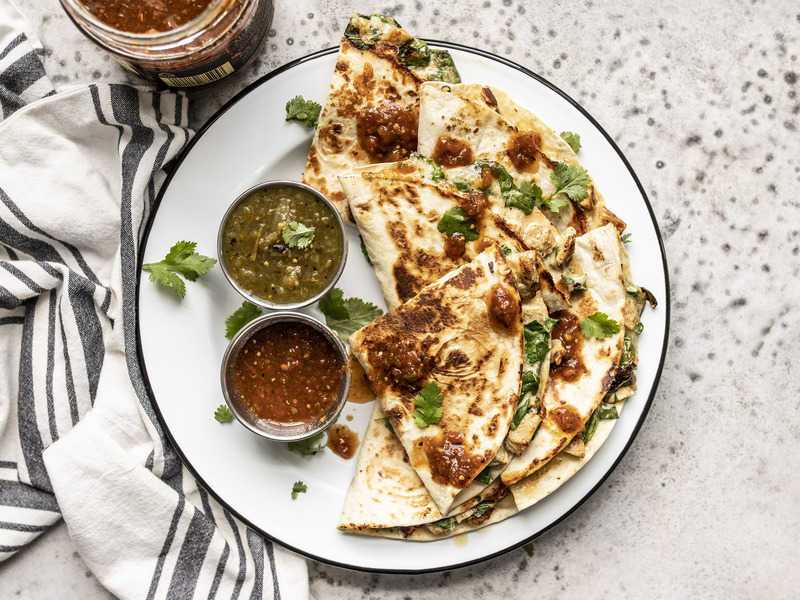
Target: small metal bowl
point(262, 302)
point(271, 429)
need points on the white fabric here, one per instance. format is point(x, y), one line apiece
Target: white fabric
point(79, 171)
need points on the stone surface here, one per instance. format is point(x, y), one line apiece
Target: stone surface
point(702, 98)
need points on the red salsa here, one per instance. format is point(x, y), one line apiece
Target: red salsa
point(288, 373)
point(145, 16)
point(342, 441)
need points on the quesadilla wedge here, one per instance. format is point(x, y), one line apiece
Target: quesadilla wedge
point(461, 124)
point(371, 113)
point(387, 493)
point(586, 368)
point(415, 228)
point(446, 369)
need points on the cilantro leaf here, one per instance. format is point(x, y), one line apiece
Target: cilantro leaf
point(556, 203)
point(298, 488)
point(482, 509)
point(387, 423)
point(570, 180)
point(437, 172)
point(346, 317)
point(414, 53)
point(240, 317)
point(627, 349)
point(484, 477)
point(524, 197)
point(447, 524)
point(181, 259)
point(364, 250)
point(428, 405)
point(607, 413)
point(599, 325)
point(308, 446)
point(456, 221)
point(461, 186)
point(573, 139)
point(528, 549)
point(223, 414)
point(591, 426)
point(297, 235)
point(537, 344)
point(527, 196)
point(305, 111)
point(626, 238)
point(574, 285)
point(522, 409)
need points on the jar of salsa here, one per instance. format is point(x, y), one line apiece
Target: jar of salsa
point(181, 43)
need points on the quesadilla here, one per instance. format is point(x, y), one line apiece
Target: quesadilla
point(416, 227)
point(371, 113)
point(468, 124)
point(585, 368)
point(445, 367)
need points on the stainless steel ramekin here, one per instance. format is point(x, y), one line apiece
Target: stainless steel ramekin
point(263, 303)
point(270, 429)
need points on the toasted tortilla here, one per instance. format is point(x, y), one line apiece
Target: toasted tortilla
point(380, 67)
point(397, 208)
point(448, 334)
point(569, 400)
point(554, 474)
point(492, 125)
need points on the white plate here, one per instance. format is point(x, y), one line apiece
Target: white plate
point(182, 343)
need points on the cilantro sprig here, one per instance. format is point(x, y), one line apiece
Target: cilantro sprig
point(573, 139)
point(346, 316)
point(455, 221)
point(525, 196)
point(298, 488)
point(305, 111)
point(599, 325)
point(180, 260)
point(241, 317)
point(296, 235)
point(223, 414)
point(571, 183)
point(308, 446)
point(428, 405)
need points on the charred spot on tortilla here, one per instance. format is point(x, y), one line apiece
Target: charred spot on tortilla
point(452, 152)
point(569, 365)
point(523, 150)
point(387, 132)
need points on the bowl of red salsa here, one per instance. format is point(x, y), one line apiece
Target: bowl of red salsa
point(285, 376)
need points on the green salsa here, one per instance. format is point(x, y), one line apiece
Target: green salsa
point(282, 244)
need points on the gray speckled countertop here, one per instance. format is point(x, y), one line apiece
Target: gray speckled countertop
point(702, 98)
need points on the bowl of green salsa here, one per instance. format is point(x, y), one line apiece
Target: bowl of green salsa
point(281, 244)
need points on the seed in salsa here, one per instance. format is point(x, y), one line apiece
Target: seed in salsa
point(145, 16)
point(288, 373)
point(282, 267)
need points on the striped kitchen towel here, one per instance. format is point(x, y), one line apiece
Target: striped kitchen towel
point(79, 172)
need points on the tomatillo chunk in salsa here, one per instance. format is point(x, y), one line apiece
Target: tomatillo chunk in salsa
point(288, 373)
point(282, 244)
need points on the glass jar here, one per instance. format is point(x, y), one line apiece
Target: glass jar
point(217, 43)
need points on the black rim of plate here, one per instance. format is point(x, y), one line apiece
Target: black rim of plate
point(666, 300)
